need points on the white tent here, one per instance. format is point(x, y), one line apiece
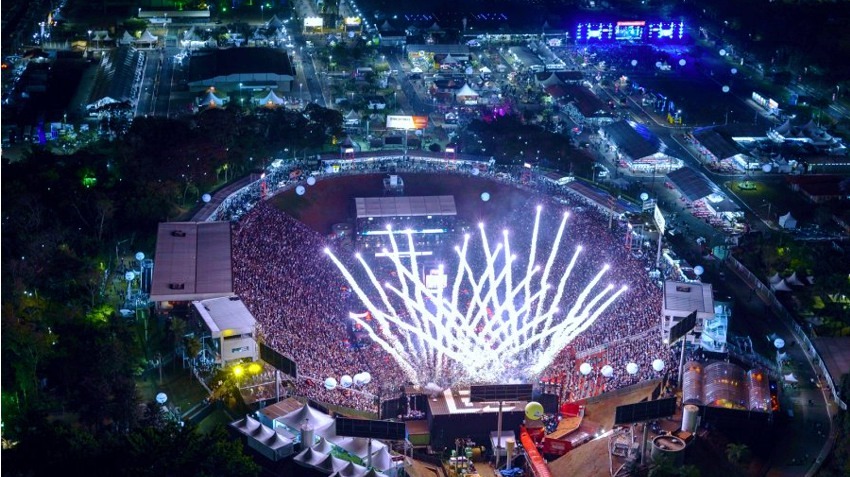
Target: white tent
point(263, 439)
point(127, 38)
point(309, 458)
point(776, 278)
point(781, 286)
point(358, 446)
point(211, 100)
point(147, 37)
point(323, 446)
point(787, 221)
point(450, 60)
point(790, 378)
point(381, 459)
point(466, 92)
point(305, 415)
point(351, 470)
point(270, 100)
point(354, 470)
point(793, 280)
point(330, 464)
point(485, 70)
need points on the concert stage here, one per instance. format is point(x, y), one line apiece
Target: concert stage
point(451, 415)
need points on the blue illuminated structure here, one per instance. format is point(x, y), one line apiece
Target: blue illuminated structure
point(666, 31)
point(594, 32)
point(631, 31)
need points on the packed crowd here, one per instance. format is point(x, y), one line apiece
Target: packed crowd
point(301, 301)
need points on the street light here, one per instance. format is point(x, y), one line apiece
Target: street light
point(87, 44)
point(262, 16)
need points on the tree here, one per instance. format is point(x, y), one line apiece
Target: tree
point(737, 453)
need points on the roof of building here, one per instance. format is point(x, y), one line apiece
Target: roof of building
point(215, 63)
point(636, 141)
point(688, 297)
point(192, 261)
point(717, 143)
point(692, 184)
point(405, 206)
point(835, 353)
point(587, 103)
point(225, 316)
point(115, 76)
point(820, 185)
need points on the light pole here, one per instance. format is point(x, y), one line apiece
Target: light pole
point(262, 15)
point(301, 92)
point(89, 42)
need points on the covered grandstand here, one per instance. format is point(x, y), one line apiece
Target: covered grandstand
point(117, 78)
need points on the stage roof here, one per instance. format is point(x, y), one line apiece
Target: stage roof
point(636, 140)
point(192, 261)
point(693, 185)
point(405, 206)
point(691, 296)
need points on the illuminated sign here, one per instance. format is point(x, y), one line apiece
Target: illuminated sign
point(659, 220)
point(314, 22)
point(407, 122)
point(352, 21)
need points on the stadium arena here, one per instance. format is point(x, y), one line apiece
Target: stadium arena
point(339, 308)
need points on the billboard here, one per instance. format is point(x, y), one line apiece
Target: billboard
point(659, 219)
point(407, 122)
point(313, 22)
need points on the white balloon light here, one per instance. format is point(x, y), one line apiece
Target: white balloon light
point(734, 71)
point(632, 368)
point(330, 384)
point(658, 365)
point(725, 89)
point(358, 379)
point(658, 64)
point(585, 368)
point(485, 196)
point(345, 381)
point(311, 180)
point(300, 190)
point(698, 270)
point(779, 343)
point(206, 198)
point(722, 52)
point(607, 371)
point(682, 62)
point(634, 62)
point(767, 167)
point(644, 196)
point(367, 378)
point(475, 171)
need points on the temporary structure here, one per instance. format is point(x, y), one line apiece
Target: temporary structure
point(787, 221)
